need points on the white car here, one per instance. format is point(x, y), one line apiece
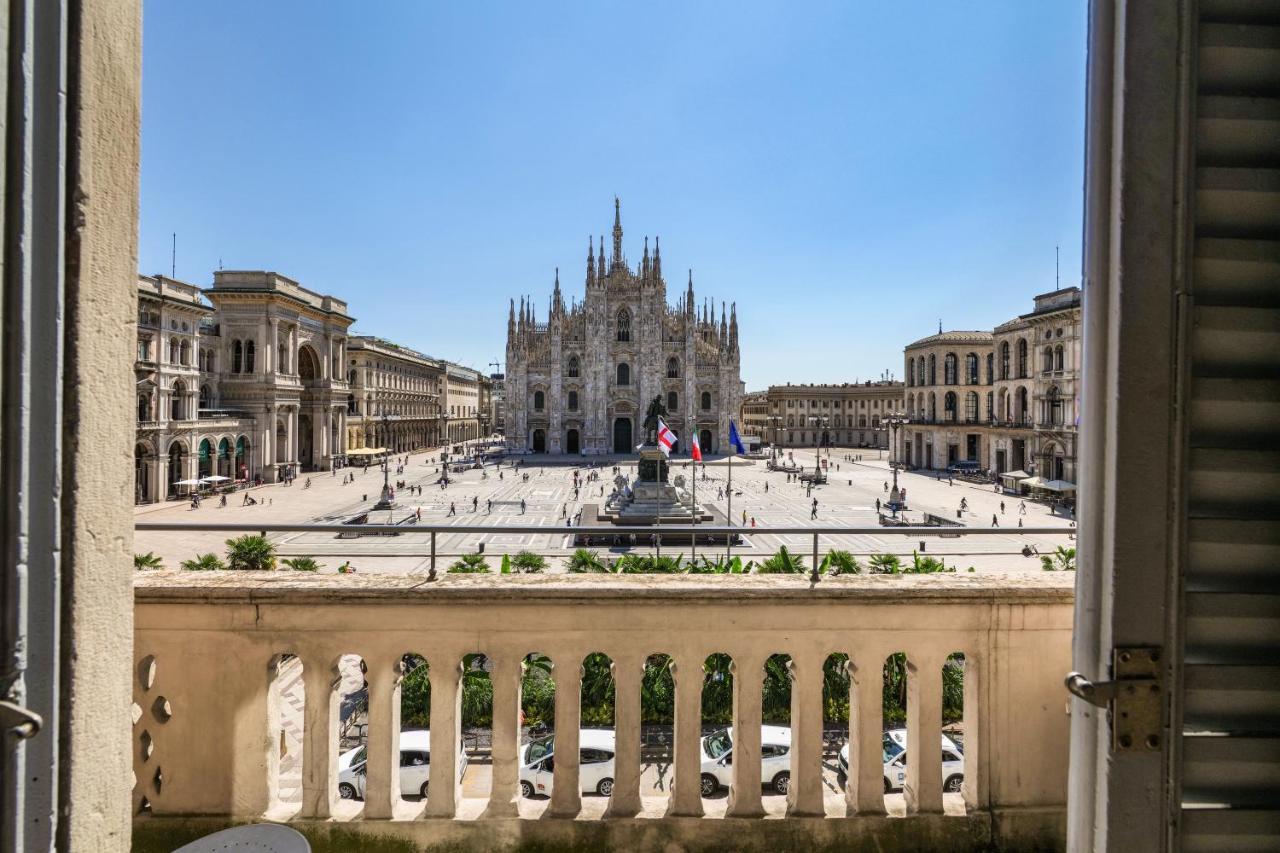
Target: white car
point(415, 766)
point(595, 763)
point(895, 763)
point(775, 760)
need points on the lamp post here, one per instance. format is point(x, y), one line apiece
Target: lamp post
point(894, 421)
point(385, 502)
point(819, 422)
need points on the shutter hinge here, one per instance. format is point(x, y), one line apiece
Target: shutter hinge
point(19, 721)
point(1134, 700)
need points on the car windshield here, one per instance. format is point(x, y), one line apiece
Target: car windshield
point(718, 744)
point(891, 749)
point(540, 748)
point(358, 758)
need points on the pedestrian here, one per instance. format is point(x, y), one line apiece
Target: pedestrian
point(1002, 507)
point(886, 485)
point(489, 506)
point(1022, 508)
point(475, 503)
point(995, 520)
point(813, 513)
point(522, 506)
point(753, 522)
point(877, 504)
point(223, 501)
point(766, 487)
point(744, 517)
point(453, 510)
point(418, 514)
point(1019, 522)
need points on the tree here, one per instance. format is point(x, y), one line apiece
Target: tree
point(147, 561)
point(584, 561)
point(1061, 560)
point(782, 563)
point(885, 564)
point(469, 564)
point(527, 562)
point(251, 552)
point(840, 563)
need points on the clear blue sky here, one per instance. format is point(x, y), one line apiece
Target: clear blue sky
point(848, 172)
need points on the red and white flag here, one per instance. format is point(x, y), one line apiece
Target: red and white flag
point(694, 450)
point(666, 438)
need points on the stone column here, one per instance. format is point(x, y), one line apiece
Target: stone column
point(382, 782)
point(748, 682)
point(866, 761)
point(269, 365)
point(504, 792)
point(686, 792)
point(566, 797)
point(923, 786)
point(442, 796)
point(627, 673)
point(804, 791)
point(319, 734)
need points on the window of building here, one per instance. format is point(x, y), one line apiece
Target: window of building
point(573, 401)
point(1058, 357)
point(706, 401)
point(206, 397)
point(949, 369)
point(624, 374)
point(1048, 359)
point(971, 407)
point(949, 406)
point(991, 412)
point(177, 401)
point(573, 368)
point(991, 376)
point(144, 407)
point(673, 369)
point(673, 401)
point(539, 401)
point(791, 404)
point(933, 370)
point(971, 369)
point(1022, 358)
point(624, 325)
point(144, 349)
point(911, 372)
point(248, 356)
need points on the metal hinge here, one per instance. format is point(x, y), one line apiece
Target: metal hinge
point(1134, 700)
point(19, 721)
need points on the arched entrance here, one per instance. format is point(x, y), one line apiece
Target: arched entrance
point(704, 441)
point(282, 442)
point(224, 458)
point(306, 442)
point(622, 435)
point(205, 466)
point(571, 441)
point(242, 458)
point(539, 441)
point(176, 451)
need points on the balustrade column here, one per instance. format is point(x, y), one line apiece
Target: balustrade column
point(923, 786)
point(319, 735)
point(866, 734)
point(686, 791)
point(804, 790)
point(382, 779)
point(443, 788)
point(627, 673)
point(744, 793)
point(504, 791)
point(566, 798)
point(974, 789)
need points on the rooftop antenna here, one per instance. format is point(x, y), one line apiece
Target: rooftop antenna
point(173, 257)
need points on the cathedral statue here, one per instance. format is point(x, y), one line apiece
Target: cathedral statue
point(656, 411)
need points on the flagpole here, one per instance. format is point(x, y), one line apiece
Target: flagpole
point(693, 552)
point(728, 539)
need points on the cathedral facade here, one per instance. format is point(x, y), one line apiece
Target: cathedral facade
point(581, 381)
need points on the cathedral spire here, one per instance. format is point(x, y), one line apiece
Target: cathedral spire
point(733, 327)
point(617, 232)
point(591, 261)
point(724, 327)
point(600, 262)
point(657, 260)
point(644, 262)
point(689, 307)
point(557, 299)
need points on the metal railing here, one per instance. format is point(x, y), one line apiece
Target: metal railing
point(656, 532)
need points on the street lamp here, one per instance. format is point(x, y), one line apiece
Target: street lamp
point(819, 422)
point(894, 421)
point(385, 502)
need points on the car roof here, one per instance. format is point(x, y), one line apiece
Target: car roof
point(776, 735)
point(597, 738)
point(415, 739)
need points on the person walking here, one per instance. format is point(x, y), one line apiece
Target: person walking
point(475, 503)
point(1022, 508)
point(522, 506)
point(489, 506)
point(813, 513)
point(1002, 507)
point(877, 504)
point(453, 509)
point(995, 520)
point(744, 516)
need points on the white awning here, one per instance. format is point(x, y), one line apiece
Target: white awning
point(1014, 475)
point(214, 478)
point(1059, 486)
point(187, 483)
point(1034, 482)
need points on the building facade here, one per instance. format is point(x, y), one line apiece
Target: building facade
point(753, 417)
point(850, 414)
point(581, 382)
point(466, 401)
point(395, 396)
point(243, 380)
point(1005, 399)
point(498, 402)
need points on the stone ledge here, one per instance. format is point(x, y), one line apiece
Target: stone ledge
point(168, 587)
point(1010, 829)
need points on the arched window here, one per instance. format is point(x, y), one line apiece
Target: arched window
point(933, 405)
point(991, 375)
point(175, 350)
point(144, 407)
point(573, 401)
point(1057, 357)
point(237, 357)
point(673, 369)
point(911, 372)
point(971, 369)
point(1022, 358)
point(206, 397)
point(1048, 359)
point(248, 356)
point(1004, 360)
point(624, 325)
point(971, 407)
point(624, 374)
point(673, 401)
point(351, 404)
point(949, 365)
point(1020, 407)
point(1055, 406)
point(920, 371)
point(351, 377)
point(933, 369)
point(991, 411)
point(184, 352)
point(862, 421)
point(177, 401)
point(949, 407)
point(539, 401)
point(572, 369)
point(706, 401)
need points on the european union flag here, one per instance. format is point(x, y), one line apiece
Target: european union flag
point(734, 441)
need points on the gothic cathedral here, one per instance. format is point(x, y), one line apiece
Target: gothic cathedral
point(581, 382)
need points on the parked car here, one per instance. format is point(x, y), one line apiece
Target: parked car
point(415, 766)
point(596, 748)
point(895, 763)
point(775, 763)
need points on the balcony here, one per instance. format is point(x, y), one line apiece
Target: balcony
point(210, 731)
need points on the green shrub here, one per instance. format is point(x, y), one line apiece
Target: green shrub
point(528, 562)
point(303, 564)
point(885, 564)
point(1061, 560)
point(840, 563)
point(204, 563)
point(469, 564)
point(925, 565)
point(251, 553)
point(147, 561)
point(584, 561)
point(782, 563)
point(631, 564)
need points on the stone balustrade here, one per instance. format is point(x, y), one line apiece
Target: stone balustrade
point(206, 646)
